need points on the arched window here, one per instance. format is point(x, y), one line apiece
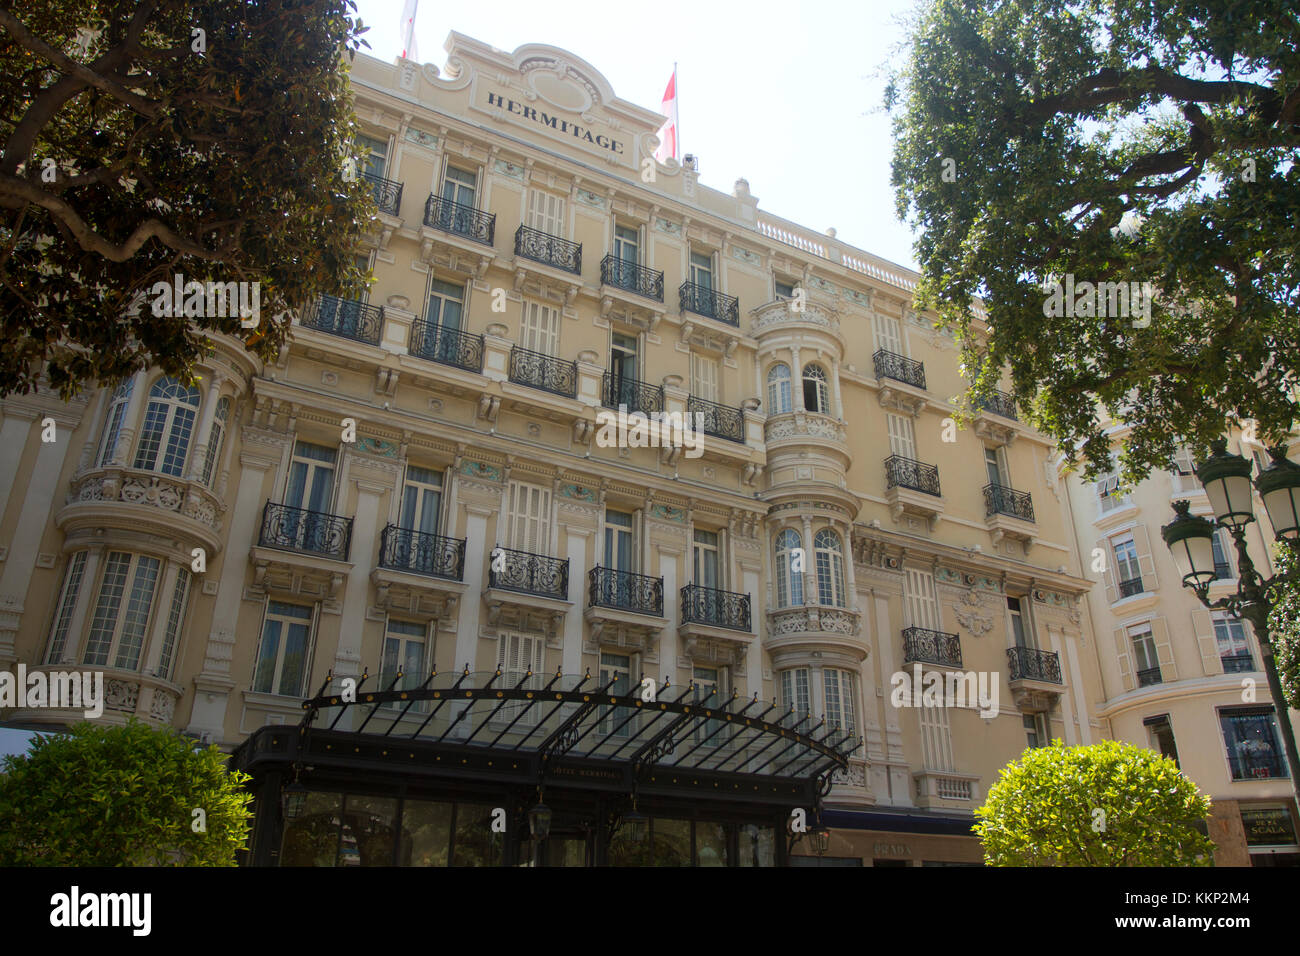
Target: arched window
point(816, 394)
point(219, 420)
point(778, 389)
point(789, 568)
point(830, 568)
point(113, 423)
point(168, 425)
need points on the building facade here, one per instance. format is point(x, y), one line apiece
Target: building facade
point(1180, 679)
point(427, 481)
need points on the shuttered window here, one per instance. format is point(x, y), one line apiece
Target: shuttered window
point(541, 328)
point(546, 213)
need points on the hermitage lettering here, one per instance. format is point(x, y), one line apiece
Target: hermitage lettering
point(555, 123)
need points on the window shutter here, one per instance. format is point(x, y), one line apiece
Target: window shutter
point(1203, 627)
point(1123, 656)
point(1164, 650)
point(1108, 575)
point(541, 328)
point(530, 518)
point(1146, 560)
point(704, 378)
point(902, 439)
point(546, 212)
point(887, 334)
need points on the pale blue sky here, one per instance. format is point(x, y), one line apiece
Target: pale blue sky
point(786, 95)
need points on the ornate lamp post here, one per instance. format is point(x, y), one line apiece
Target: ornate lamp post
point(1226, 479)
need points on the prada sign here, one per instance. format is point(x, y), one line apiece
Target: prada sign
point(555, 123)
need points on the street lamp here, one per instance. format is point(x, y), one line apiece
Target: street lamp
point(1226, 480)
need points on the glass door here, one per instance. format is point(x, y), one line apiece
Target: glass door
point(622, 370)
point(627, 252)
point(421, 504)
point(308, 495)
point(707, 580)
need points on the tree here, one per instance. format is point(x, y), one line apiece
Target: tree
point(145, 139)
point(121, 796)
point(1284, 622)
point(1040, 146)
point(1108, 804)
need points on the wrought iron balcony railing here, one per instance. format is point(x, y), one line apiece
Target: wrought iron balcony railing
point(999, 403)
point(931, 647)
point(347, 318)
point(638, 396)
point(999, 499)
point(701, 605)
point(626, 591)
point(550, 250)
point(720, 421)
point(634, 278)
point(1028, 663)
point(448, 346)
point(312, 532)
point(529, 573)
point(419, 552)
point(713, 305)
point(545, 372)
point(1149, 675)
point(908, 473)
point(1130, 587)
point(461, 220)
point(1237, 663)
point(1257, 766)
point(388, 193)
point(899, 367)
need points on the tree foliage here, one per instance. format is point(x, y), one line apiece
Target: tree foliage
point(1108, 804)
point(120, 796)
point(1284, 620)
point(1178, 119)
point(142, 139)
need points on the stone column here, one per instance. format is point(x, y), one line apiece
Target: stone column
point(356, 593)
point(130, 421)
point(199, 454)
point(476, 549)
point(14, 433)
point(571, 653)
point(796, 381)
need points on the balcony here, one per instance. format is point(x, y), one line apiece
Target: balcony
point(704, 301)
point(287, 528)
point(446, 346)
point(419, 573)
point(346, 318)
point(1130, 587)
point(544, 372)
point(460, 220)
point(625, 591)
point(900, 368)
point(114, 500)
point(720, 421)
point(630, 277)
point(1149, 676)
point(939, 788)
point(714, 608)
point(526, 589)
point(912, 488)
point(637, 396)
point(931, 647)
point(549, 250)
point(1237, 663)
point(999, 403)
point(1001, 500)
point(1028, 663)
point(387, 192)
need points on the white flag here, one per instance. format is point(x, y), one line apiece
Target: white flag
point(668, 132)
point(409, 50)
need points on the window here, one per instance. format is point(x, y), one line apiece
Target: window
point(310, 484)
point(168, 424)
point(516, 655)
point(1144, 655)
point(789, 568)
point(529, 527)
point(794, 692)
point(922, 605)
point(702, 269)
point(1126, 566)
point(421, 500)
point(1109, 495)
point(706, 558)
point(616, 668)
point(784, 290)
point(446, 304)
point(1250, 734)
point(888, 336)
point(623, 369)
point(1234, 648)
point(121, 617)
point(175, 623)
point(838, 686)
point(67, 603)
point(404, 651)
point(704, 378)
point(993, 465)
point(545, 213)
point(1160, 733)
point(1019, 634)
point(619, 553)
point(936, 733)
point(1222, 566)
point(778, 389)
point(460, 186)
point(816, 393)
point(709, 733)
point(113, 424)
point(627, 245)
point(902, 438)
point(283, 657)
point(1036, 730)
point(374, 153)
point(541, 328)
point(830, 569)
point(220, 420)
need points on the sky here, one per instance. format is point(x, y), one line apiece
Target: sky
point(787, 96)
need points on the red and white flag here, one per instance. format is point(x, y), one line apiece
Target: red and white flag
point(409, 50)
point(668, 132)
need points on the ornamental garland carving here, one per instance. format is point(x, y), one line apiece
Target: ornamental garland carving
point(969, 616)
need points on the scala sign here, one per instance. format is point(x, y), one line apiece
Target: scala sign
point(555, 123)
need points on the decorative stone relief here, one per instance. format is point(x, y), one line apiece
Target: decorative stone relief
point(377, 446)
point(969, 616)
point(672, 228)
point(508, 169)
point(589, 198)
point(121, 695)
point(420, 138)
point(744, 255)
point(667, 513)
point(570, 490)
point(476, 469)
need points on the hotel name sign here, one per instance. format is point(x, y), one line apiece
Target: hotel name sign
point(555, 123)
